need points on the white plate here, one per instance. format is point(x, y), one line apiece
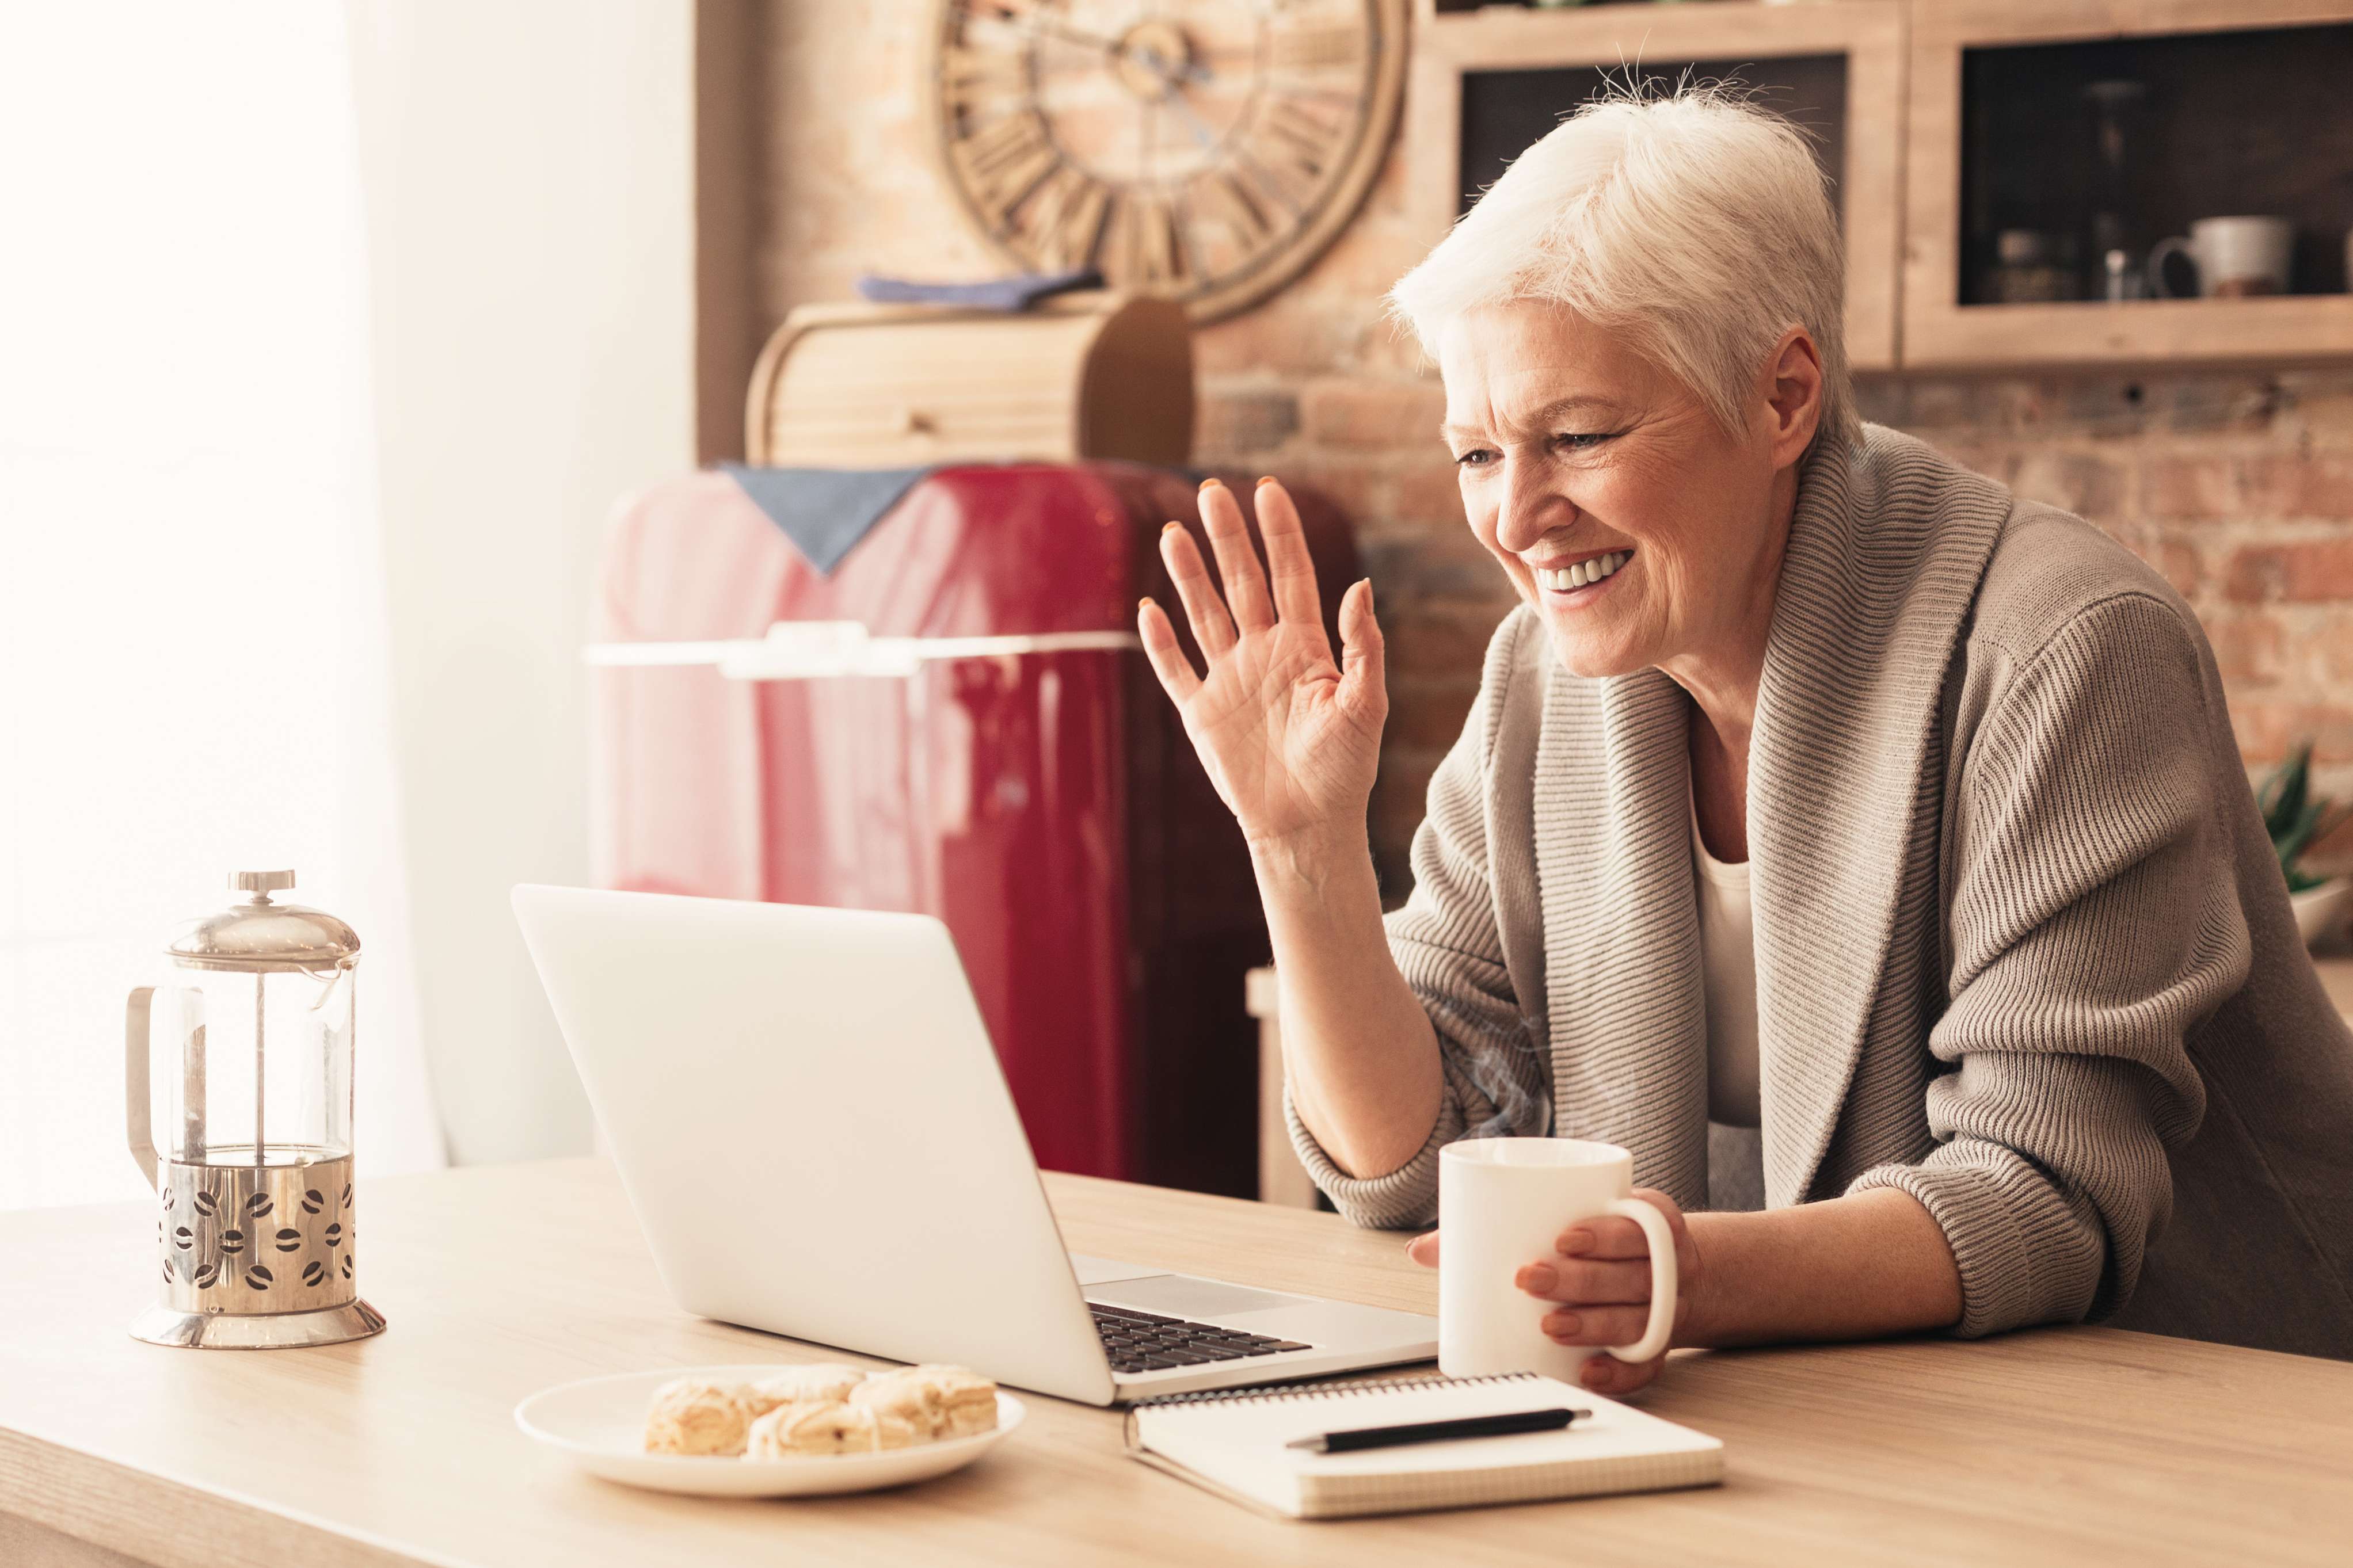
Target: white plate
point(599, 1425)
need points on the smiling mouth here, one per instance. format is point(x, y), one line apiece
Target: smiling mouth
point(1583, 575)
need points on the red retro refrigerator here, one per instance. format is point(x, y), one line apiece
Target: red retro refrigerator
point(1042, 800)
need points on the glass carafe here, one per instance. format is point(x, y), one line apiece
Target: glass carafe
point(241, 1057)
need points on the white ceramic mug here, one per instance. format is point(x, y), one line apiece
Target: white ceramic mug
point(2234, 256)
point(1501, 1204)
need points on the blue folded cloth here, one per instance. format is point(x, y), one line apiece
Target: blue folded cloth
point(1015, 293)
point(826, 511)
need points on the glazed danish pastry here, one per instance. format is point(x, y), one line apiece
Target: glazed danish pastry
point(819, 1382)
point(796, 1412)
point(937, 1401)
point(826, 1426)
point(696, 1416)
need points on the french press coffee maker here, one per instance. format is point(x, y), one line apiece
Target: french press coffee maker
point(245, 1050)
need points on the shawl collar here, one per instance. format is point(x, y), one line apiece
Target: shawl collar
point(1627, 1011)
point(1886, 549)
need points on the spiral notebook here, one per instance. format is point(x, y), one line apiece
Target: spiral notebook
point(1234, 1445)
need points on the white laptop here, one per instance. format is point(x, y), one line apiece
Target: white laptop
point(818, 1140)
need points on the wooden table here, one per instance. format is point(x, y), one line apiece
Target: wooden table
point(2060, 1446)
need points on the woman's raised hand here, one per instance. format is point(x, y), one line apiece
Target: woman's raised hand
point(1291, 739)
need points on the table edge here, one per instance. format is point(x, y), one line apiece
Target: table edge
point(158, 1518)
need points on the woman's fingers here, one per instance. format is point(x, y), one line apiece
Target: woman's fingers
point(1423, 1249)
point(1606, 1375)
point(1212, 629)
point(1290, 570)
point(1168, 657)
point(1585, 1279)
point(1237, 561)
point(1608, 1236)
point(1246, 606)
point(1362, 691)
point(1596, 1325)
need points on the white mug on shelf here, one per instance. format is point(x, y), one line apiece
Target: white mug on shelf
point(1501, 1204)
point(2234, 257)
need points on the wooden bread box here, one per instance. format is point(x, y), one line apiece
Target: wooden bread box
point(1083, 376)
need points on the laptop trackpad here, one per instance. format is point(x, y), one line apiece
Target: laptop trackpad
point(1180, 1296)
point(1103, 1270)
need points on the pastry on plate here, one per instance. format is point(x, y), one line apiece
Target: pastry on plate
point(937, 1401)
point(826, 1426)
point(818, 1383)
point(697, 1415)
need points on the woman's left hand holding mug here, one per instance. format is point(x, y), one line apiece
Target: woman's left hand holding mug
point(1598, 1280)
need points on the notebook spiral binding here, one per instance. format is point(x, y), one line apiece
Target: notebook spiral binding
point(1320, 1390)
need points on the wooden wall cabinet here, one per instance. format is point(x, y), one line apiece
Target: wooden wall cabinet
point(1902, 139)
point(1942, 332)
point(1864, 38)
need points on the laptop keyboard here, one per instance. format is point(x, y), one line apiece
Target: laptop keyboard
point(1145, 1341)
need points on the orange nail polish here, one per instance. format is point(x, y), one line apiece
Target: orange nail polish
point(1144, 602)
point(1212, 479)
point(1172, 523)
point(1266, 478)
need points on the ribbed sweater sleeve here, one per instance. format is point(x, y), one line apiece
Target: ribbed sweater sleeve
point(2096, 921)
point(1447, 944)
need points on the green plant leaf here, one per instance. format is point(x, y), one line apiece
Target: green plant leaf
point(2294, 817)
point(2282, 797)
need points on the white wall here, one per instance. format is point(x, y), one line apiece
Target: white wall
point(527, 175)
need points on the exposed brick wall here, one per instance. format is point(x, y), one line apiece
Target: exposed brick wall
point(2238, 487)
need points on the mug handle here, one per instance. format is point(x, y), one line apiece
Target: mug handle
point(2160, 253)
point(1662, 1326)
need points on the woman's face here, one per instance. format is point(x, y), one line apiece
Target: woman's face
point(1578, 456)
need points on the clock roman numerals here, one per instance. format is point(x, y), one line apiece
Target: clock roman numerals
point(1223, 195)
point(973, 76)
point(1297, 136)
point(1062, 225)
point(1291, 146)
point(1317, 48)
point(1146, 246)
point(1003, 160)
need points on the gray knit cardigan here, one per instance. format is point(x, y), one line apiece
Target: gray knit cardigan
point(2022, 948)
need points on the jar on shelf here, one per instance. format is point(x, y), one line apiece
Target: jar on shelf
point(2028, 269)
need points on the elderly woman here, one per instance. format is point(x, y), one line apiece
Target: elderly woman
point(1816, 785)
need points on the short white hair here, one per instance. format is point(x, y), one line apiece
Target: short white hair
point(1695, 223)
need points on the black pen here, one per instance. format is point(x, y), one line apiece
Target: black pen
point(1439, 1431)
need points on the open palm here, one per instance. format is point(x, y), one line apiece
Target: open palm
point(1291, 739)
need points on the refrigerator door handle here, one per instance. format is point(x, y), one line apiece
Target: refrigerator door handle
point(811, 650)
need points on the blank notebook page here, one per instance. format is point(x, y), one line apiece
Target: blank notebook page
point(1236, 1444)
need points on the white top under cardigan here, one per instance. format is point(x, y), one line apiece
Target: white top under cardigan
point(1727, 958)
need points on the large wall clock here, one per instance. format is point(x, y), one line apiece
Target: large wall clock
point(1204, 151)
